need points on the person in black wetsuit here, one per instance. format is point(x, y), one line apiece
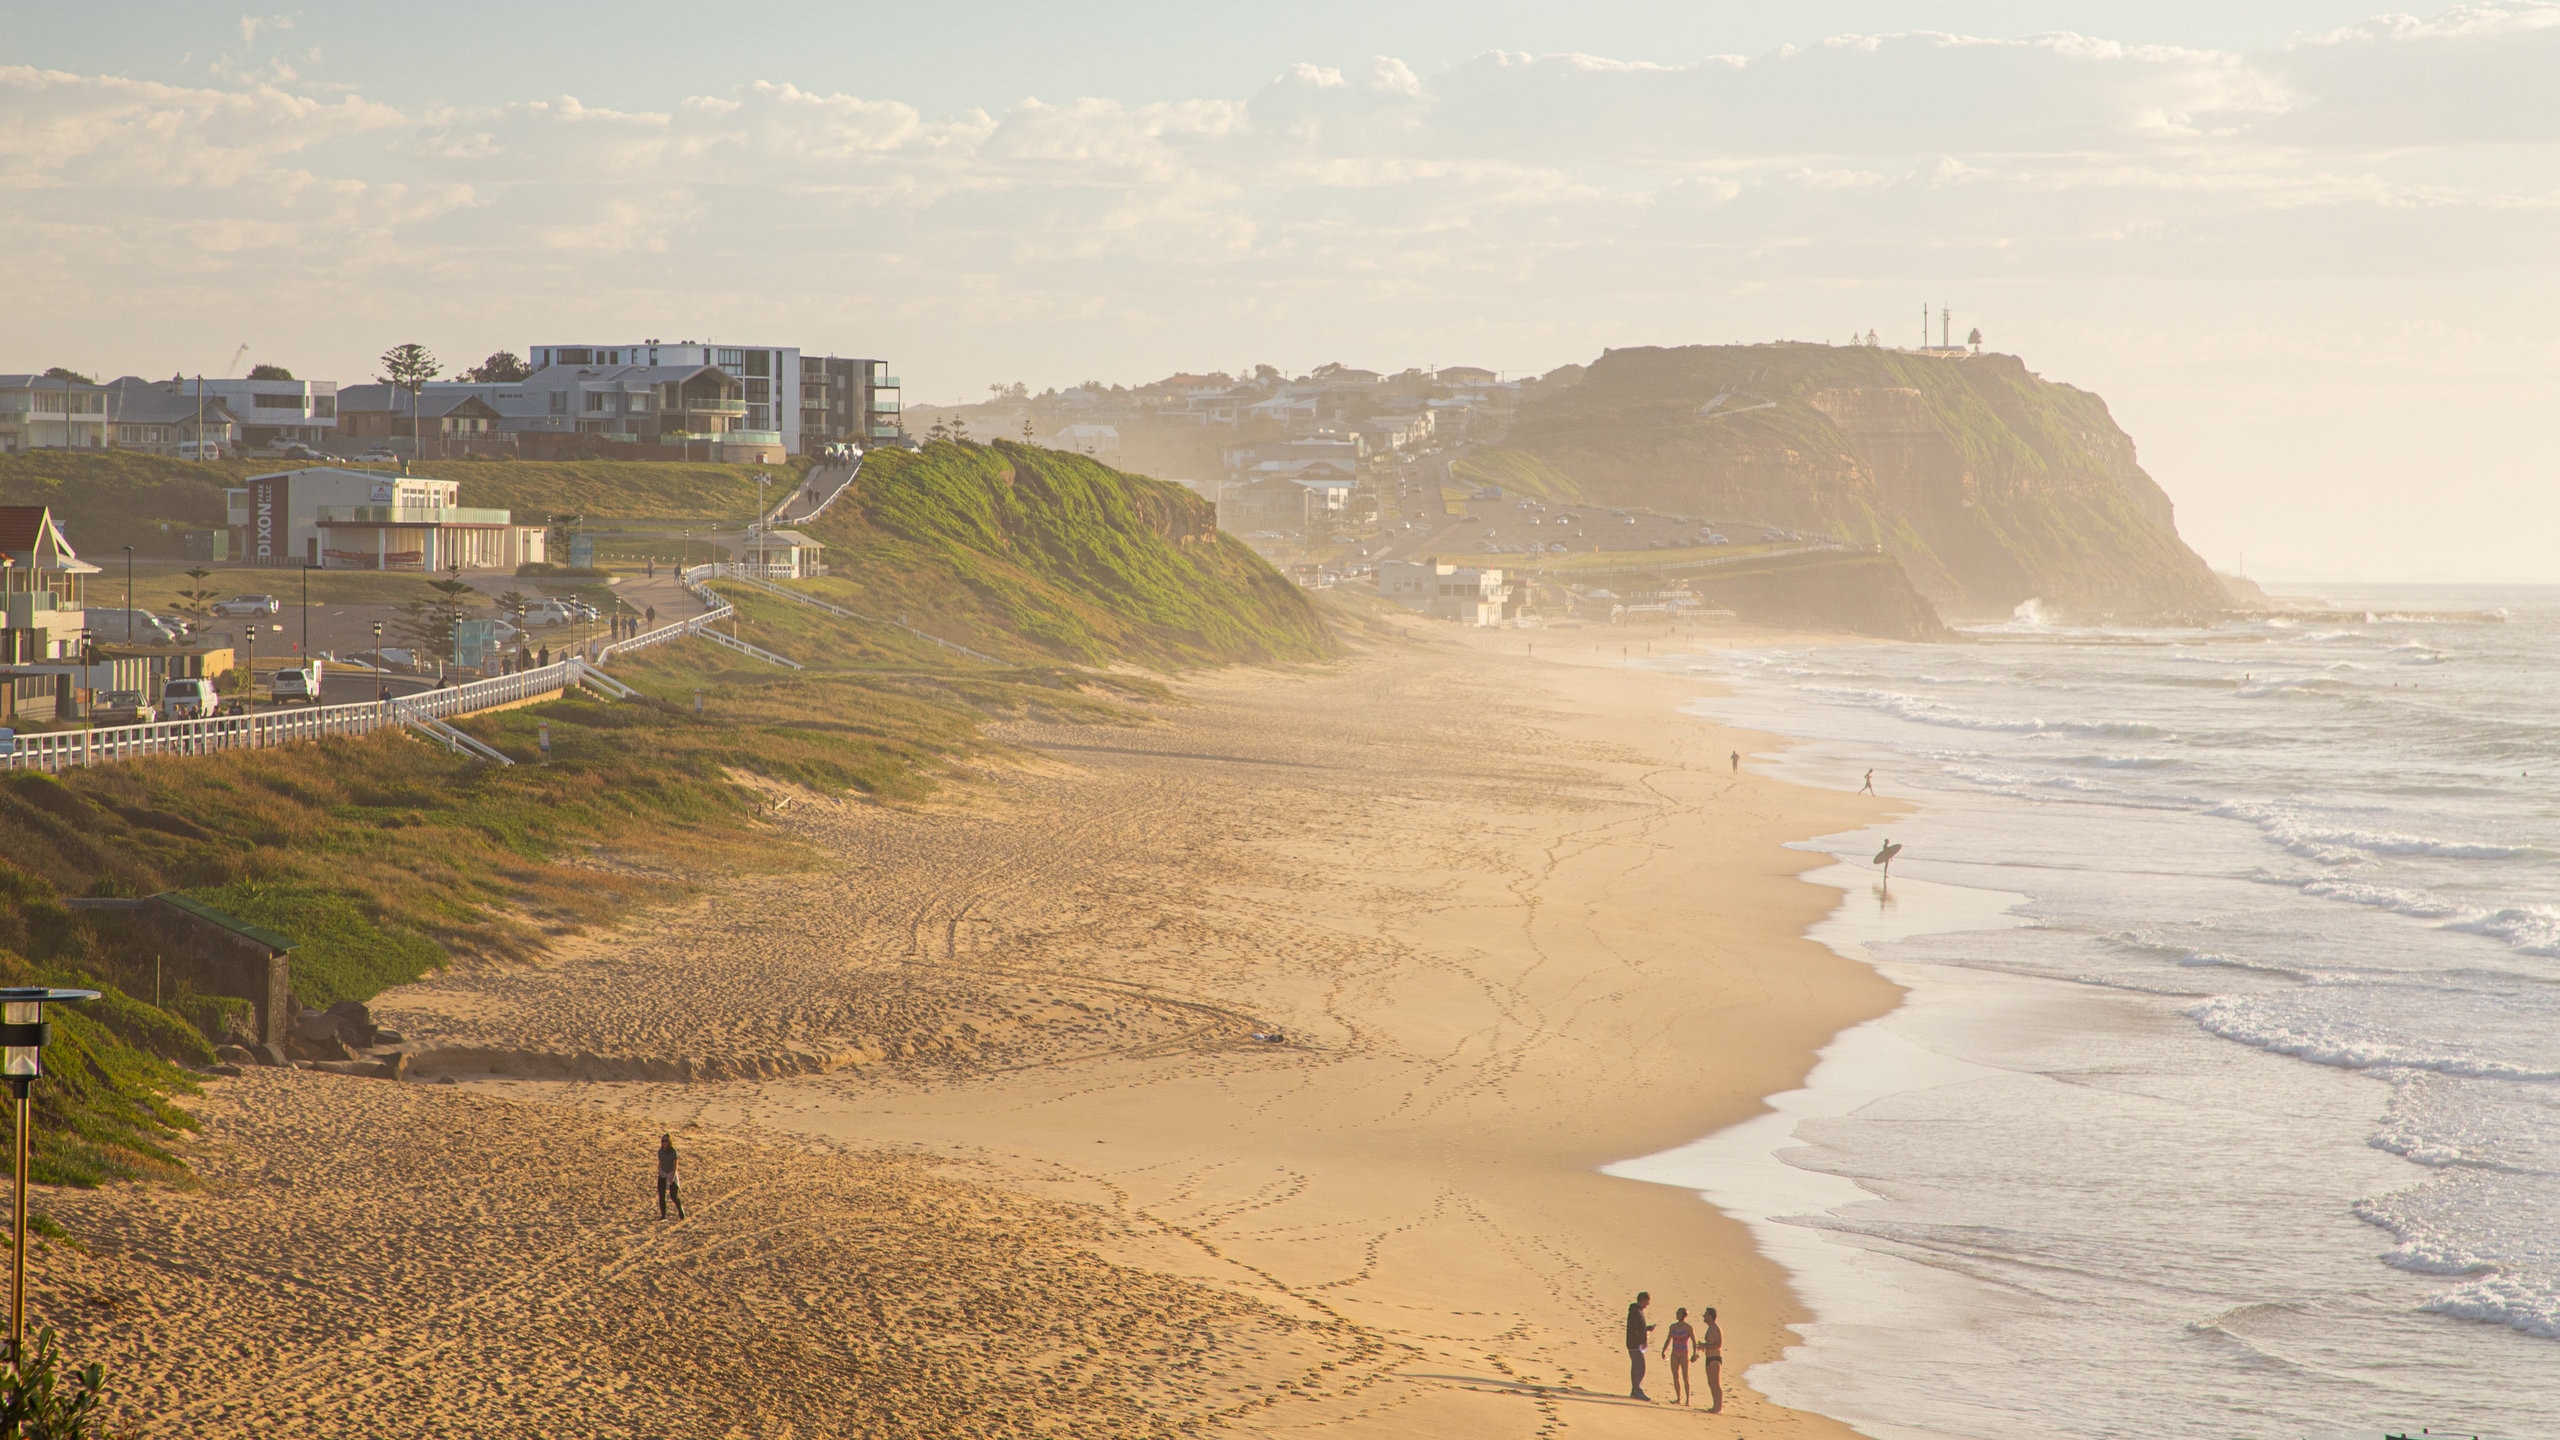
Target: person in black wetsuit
point(1639, 1339)
point(669, 1188)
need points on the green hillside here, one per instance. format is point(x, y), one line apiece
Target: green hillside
point(1055, 555)
point(1990, 484)
point(383, 855)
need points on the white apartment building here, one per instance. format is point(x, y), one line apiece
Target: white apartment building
point(1468, 594)
point(278, 412)
point(799, 401)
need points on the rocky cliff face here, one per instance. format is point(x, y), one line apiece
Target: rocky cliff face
point(1991, 485)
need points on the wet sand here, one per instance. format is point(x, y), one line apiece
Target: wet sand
point(984, 1143)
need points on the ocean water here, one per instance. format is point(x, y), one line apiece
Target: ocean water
point(2226, 1100)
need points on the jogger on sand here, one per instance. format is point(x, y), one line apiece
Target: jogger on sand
point(669, 1187)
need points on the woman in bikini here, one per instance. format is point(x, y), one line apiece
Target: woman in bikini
point(1711, 1350)
point(1678, 1341)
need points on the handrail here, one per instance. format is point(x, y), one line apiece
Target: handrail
point(758, 651)
point(453, 739)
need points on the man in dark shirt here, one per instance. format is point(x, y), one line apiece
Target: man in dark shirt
point(669, 1188)
point(1639, 1338)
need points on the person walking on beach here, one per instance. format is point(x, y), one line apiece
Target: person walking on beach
point(1639, 1340)
point(1677, 1343)
point(669, 1187)
point(1737, 762)
point(1870, 787)
point(1711, 1350)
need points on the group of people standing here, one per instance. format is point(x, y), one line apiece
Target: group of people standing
point(1682, 1343)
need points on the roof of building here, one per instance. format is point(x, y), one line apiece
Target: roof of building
point(432, 403)
point(792, 538)
point(233, 923)
point(29, 537)
point(144, 402)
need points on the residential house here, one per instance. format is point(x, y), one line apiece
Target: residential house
point(169, 417)
point(340, 519)
point(279, 412)
point(1102, 442)
point(1468, 594)
point(1396, 432)
point(1465, 375)
point(436, 421)
point(696, 407)
point(38, 412)
point(1279, 505)
point(42, 584)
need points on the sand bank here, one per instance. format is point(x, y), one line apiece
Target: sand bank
point(987, 1145)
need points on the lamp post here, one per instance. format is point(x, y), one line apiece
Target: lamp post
point(306, 612)
point(128, 594)
point(23, 1033)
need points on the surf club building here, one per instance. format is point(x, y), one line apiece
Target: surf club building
point(336, 519)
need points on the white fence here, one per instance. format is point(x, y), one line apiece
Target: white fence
point(71, 749)
point(425, 709)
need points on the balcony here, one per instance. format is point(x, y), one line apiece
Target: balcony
point(411, 515)
point(708, 407)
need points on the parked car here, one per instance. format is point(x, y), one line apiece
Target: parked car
point(124, 707)
point(189, 699)
point(376, 457)
point(109, 627)
point(1718, 540)
point(199, 450)
point(239, 605)
point(542, 614)
point(296, 687)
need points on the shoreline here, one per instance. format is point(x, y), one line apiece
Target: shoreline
point(1516, 920)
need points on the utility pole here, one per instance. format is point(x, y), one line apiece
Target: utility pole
point(1943, 330)
point(199, 431)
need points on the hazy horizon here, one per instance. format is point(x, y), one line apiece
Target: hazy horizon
point(2298, 250)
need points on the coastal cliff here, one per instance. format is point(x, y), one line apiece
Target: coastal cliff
point(1989, 484)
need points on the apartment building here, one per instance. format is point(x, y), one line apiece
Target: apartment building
point(797, 400)
point(278, 412)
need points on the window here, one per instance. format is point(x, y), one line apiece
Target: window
point(279, 402)
point(598, 400)
point(324, 407)
point(760, 362)
point(729, 357)
point(575, 357)
point(559, 402)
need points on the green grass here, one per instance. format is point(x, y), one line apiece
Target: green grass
point(384, 855)
point(1518, 473)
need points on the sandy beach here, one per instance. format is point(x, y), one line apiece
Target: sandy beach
point(979, 1138)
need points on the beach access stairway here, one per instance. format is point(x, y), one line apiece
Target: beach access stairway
point(426, 712)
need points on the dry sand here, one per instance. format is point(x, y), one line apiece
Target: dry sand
point(980, 1142)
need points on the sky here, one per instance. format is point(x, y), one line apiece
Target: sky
point(2305, 250)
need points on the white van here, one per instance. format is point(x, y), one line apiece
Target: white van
point(199, 450)
point(188, 699)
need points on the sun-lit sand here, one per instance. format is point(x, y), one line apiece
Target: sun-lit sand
point(981, 1143)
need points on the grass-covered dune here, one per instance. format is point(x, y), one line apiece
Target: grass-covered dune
point(1041, 553)
point(1990, 484)
point(386, 855)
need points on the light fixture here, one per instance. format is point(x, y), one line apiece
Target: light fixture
point(23, 1033)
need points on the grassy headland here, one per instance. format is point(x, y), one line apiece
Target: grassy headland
point(384, 856)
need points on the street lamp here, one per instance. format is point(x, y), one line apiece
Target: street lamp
point(23, 1033)
point(306, 612)
point(128, 594)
